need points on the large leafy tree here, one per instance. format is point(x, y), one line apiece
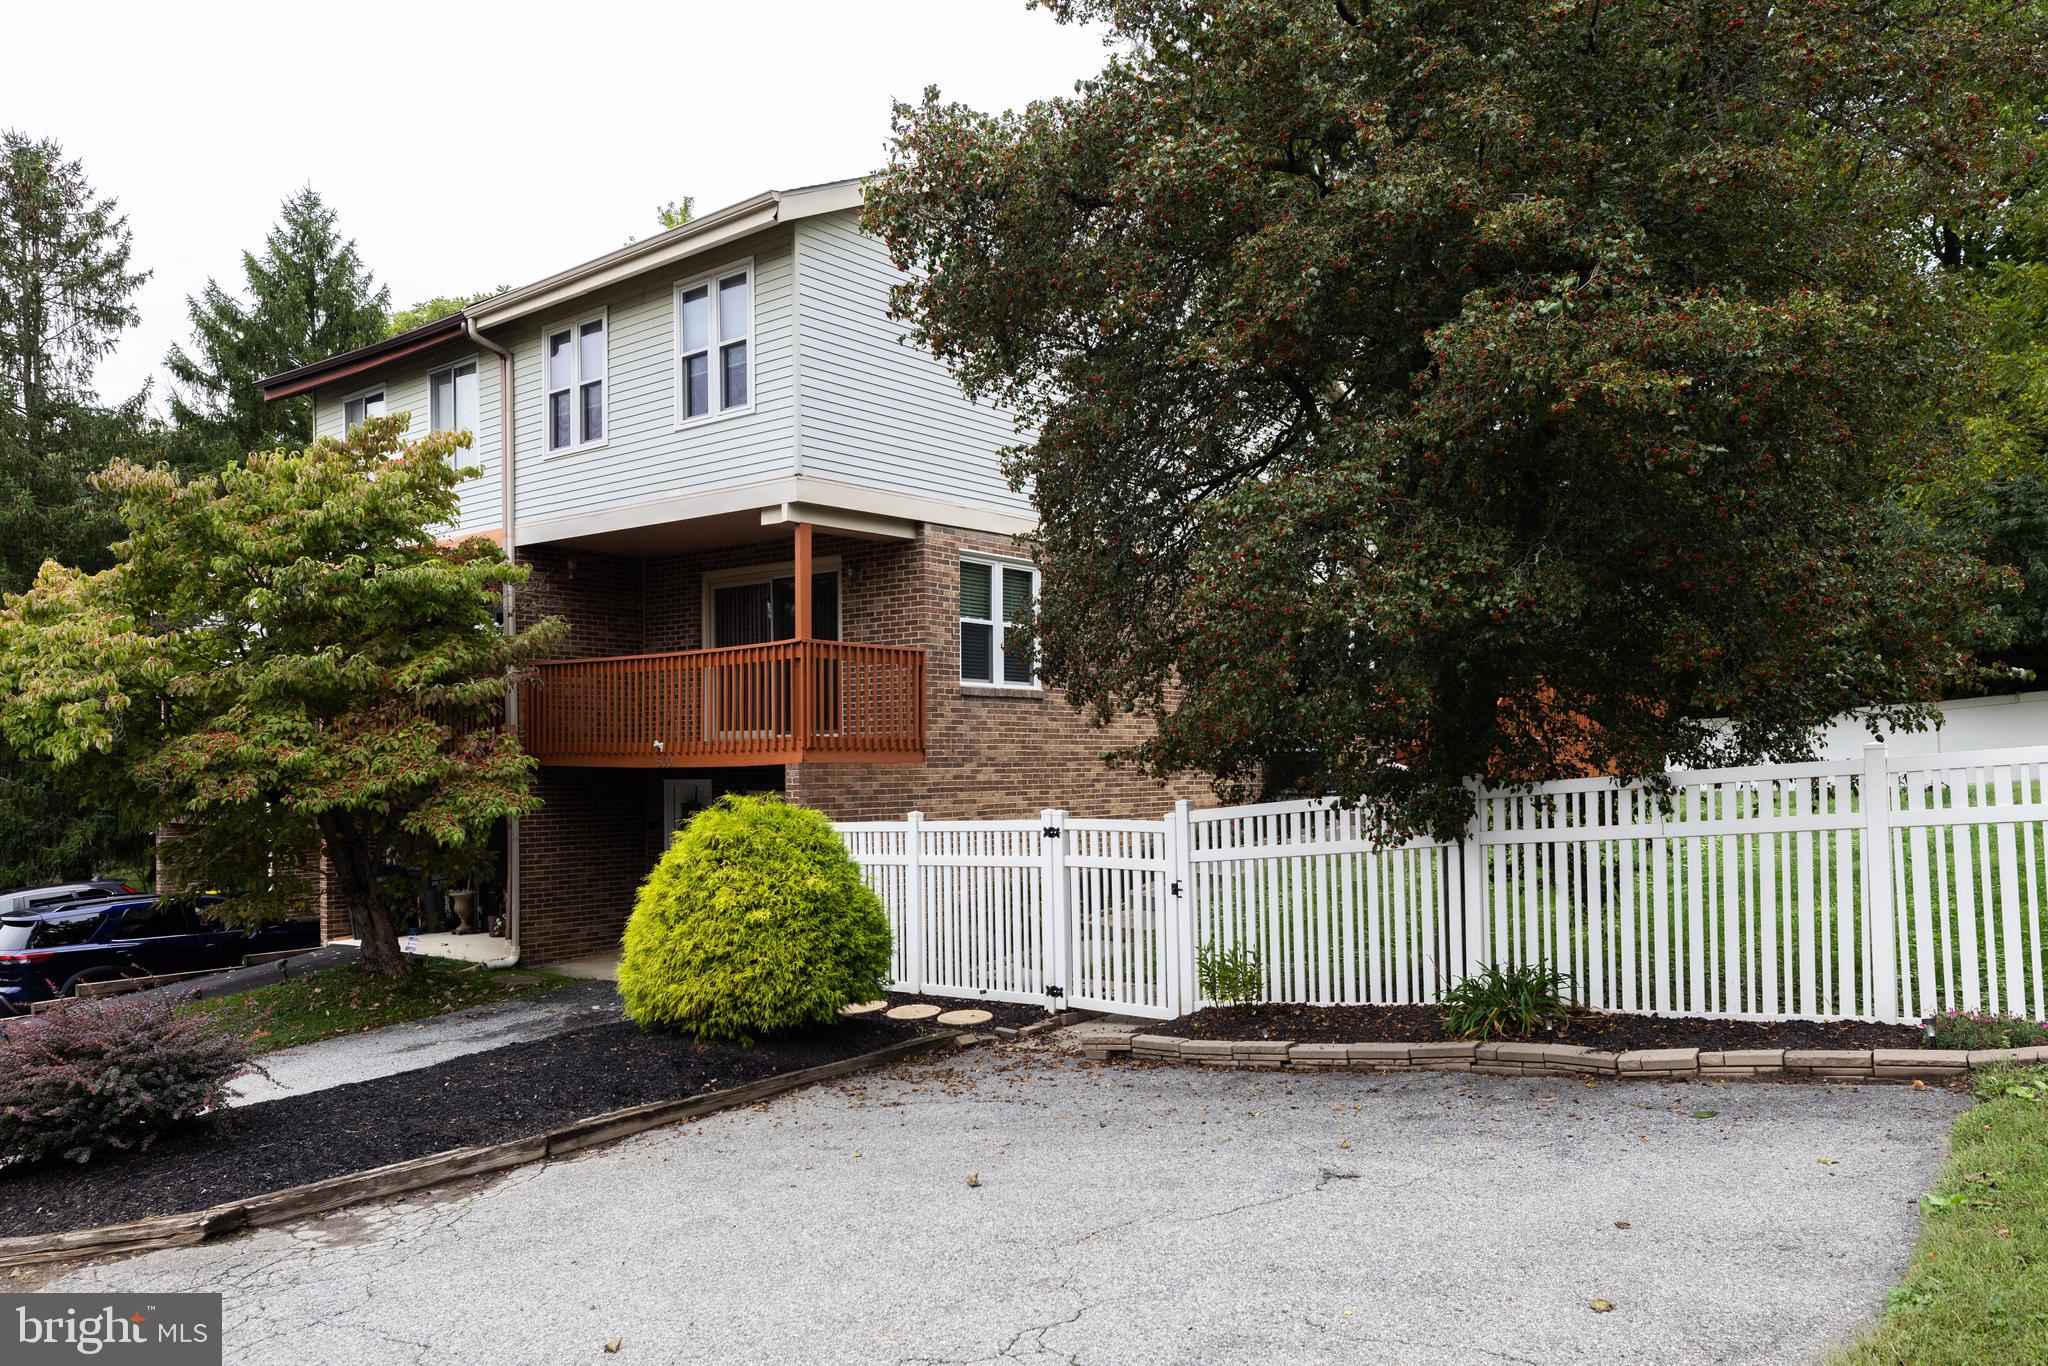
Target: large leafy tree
point(434, 309)
point(1422, 390)
point(306, 296)
point(285, 663)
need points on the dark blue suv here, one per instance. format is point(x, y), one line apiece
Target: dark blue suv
point(48, 952)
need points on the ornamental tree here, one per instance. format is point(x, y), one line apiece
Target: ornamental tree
point(1417, 391)
point(283, 663)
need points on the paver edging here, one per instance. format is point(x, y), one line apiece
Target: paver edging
point(1513, 1058)
point(275, 1207)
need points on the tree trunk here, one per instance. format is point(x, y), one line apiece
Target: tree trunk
point(355, 887)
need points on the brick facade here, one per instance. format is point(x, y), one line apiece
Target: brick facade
point(989, 753)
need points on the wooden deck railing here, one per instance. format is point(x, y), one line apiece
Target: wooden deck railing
point(790, 702)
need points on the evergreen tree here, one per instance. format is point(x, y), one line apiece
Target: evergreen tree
point(308, 296)
point(67, 287)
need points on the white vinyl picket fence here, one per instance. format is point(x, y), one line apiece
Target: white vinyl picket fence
point(1886, 888)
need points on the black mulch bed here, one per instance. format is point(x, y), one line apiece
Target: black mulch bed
point(490, 1097)
point(1006, 1014)
point(1608, 1033)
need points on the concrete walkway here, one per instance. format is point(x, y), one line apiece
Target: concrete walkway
point(1020, 1205)
point(422, 1043)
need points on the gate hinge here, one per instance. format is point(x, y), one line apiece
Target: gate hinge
point(1052, 832)
point(1057, 993)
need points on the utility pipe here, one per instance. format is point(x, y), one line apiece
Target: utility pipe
point(508, 485)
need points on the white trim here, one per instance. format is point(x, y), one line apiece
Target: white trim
point(666, 249)
point(473, 358)
point(864, 524)
point(577, 379)
point(829, 493)
point(716, 342)
point(713, 579)
point(383, 393)
point(996, 621)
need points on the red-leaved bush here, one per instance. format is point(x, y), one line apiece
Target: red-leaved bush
point(112, 1075)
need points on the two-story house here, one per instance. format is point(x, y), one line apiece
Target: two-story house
point(779, 533)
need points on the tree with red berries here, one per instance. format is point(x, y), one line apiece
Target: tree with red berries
point(1418, 391)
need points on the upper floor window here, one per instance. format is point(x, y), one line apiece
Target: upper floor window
point(714, 332)
point(996, 602)
point(451, 397)
point(363, 406)
point(575, 360)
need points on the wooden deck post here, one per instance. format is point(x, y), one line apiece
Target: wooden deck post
point(801, 700)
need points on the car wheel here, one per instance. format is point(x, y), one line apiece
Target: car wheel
point(89, 975)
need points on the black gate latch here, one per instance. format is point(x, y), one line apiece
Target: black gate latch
point(1052, 832)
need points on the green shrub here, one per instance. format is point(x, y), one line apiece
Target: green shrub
point(1232, 976)
point(1511, 1002)
point(1983, 1029)
point(84, 1079)
point(756, 920)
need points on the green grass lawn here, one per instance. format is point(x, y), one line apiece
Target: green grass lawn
point(1978, 1288)
point(347, 1000)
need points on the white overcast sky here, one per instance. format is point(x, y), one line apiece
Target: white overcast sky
point(479, 144)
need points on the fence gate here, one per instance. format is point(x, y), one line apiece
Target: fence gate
point(1115, 901)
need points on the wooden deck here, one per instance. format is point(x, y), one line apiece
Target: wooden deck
point(790, 702)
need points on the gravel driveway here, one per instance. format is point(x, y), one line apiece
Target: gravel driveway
point(1129, 1214)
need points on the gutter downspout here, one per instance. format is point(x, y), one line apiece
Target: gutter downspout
point(508, 445)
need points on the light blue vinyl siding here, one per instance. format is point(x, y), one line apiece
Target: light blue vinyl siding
point(645, 455)
point(405, 391)
point(837, 395)
point(877, 411)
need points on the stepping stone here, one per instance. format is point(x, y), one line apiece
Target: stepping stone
point(863, 1008)
point(913, 1012)
point(965, 1017)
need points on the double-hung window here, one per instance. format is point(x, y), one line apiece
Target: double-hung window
point(451, 396)
point(362, 407)
point(714, 332)
point(575, 360)
point(996, 603)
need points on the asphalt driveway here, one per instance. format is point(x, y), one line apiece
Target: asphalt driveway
point(1024, 1205)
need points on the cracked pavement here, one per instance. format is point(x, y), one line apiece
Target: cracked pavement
point(1127, 1213)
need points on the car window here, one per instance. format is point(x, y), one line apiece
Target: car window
point(14, 936)
point(155, 920)
point(57, 934)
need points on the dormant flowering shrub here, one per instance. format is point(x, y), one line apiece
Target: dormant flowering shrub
point(89, 1078)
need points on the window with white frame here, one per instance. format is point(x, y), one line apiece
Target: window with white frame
point(363, 406)
point(574, 358)
point(996, 603)
point(451, 397)
point(714, 332)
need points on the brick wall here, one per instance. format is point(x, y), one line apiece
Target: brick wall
point(582, 856)
point(598, 595)
point(990, 753)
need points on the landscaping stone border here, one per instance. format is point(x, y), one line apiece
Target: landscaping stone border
point(277, 1207)
point(1561, 1060)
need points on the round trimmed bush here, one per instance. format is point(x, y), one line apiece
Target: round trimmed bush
point(755, 921)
